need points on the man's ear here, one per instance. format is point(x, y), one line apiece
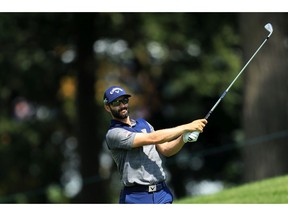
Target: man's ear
point(107, 108)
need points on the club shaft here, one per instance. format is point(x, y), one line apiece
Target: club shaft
point(225, 92)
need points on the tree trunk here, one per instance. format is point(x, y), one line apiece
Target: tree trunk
point(265, 96)
point(90, 145)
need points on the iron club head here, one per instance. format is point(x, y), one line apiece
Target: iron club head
point(269, 28)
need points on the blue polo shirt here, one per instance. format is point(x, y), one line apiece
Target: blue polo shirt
point(142, 165)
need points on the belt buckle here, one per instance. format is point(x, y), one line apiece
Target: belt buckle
point(152, 188)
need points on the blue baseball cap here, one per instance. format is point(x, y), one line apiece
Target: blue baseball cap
point(113, 93)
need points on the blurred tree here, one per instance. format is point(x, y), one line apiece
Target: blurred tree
point(265, 101)
point(55, 68)
point(33, 128)
point(89, 139)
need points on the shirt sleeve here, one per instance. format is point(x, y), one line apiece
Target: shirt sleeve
point(118, 138)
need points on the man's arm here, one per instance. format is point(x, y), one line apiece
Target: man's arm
point(167, 135)
point(171, 148)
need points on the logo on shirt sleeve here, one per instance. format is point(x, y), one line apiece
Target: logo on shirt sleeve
point(128, 133)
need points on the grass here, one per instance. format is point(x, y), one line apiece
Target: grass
point(268, 191)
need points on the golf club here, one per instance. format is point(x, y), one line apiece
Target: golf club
point(193, 136)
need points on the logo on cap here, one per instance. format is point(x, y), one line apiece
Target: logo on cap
point(117, 90)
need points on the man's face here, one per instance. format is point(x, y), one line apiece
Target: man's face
point(119, 108)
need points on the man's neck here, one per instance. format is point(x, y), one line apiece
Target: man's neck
point(126, 120)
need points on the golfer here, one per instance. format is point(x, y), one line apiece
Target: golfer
point(135, 147)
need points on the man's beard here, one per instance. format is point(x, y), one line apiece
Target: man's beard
point(117, 113)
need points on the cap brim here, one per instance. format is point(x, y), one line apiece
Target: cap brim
point(125, 95)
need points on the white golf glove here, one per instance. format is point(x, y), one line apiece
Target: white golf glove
point(191, 136)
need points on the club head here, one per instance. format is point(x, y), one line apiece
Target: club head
point(269, 28)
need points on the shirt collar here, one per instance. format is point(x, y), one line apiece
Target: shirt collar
point(119, 123)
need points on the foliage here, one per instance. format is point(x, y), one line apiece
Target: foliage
point(175, 64)
point(33, 126)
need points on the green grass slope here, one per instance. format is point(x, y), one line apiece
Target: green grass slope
point(268, 191)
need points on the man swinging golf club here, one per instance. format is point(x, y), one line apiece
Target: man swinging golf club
point(135, 147)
